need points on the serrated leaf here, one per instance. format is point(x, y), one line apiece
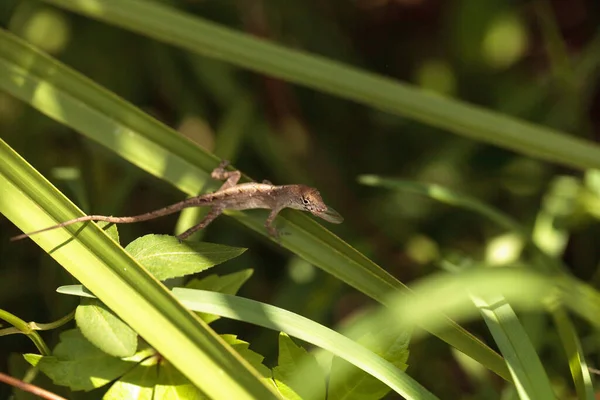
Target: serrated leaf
point(104, 329)
point(286, 376)
point(110, 229)
point(78, 364)
point(167, 257)
point(136, 384)
point(228, 284)
point(172, 385)
point(349, 382)
point(254, 358)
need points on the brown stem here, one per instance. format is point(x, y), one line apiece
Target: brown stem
point(28, 387)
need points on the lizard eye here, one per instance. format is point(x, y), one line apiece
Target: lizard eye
point(305, 201)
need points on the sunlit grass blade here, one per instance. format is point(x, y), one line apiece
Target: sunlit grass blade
point(99, 263)
point(200, 36)
point(75, 101)
point(528, 374)
point(575, 355)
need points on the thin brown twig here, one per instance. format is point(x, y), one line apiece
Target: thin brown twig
point(28, 387)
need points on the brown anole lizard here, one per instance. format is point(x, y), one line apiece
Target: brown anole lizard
point(230, 196)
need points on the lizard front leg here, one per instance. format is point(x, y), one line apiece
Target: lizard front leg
point(269, 223)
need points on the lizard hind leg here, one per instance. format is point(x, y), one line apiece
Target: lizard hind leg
point(212, 214)
point(231, 178)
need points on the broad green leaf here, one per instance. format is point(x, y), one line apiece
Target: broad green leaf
point(111, 230)
point(167, 257)
point(348, 382)
point(104, 329)
point(255, 359)
point(286, 373)
point(228, 284)
point(78, 364)
point(172, 26)
point(172, 385)
point(136, 384)
point(43, 83)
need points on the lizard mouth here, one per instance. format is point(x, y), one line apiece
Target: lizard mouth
point(329, 215)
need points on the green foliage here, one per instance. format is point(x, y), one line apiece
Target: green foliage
point(171, 384)
point(305, 237)
point(138, 383)
point(316, 93)
point(167, 257)
point(291, 359)
point(78, 364)
point(348, 382)
point(228, 284)
point(104, 329)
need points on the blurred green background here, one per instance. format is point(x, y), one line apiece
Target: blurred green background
point(535, 60)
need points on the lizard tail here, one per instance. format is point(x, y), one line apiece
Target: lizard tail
point(202, 200)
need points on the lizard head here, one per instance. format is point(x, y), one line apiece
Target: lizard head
point(309, 199)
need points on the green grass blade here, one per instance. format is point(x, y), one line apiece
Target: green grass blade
point(528, 374)
point(123, 285)
point(444, 195)
point(70, 98)
point(575, 355)
point(195, 34)
point(295, 325)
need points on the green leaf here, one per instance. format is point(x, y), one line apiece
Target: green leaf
point(167, 257)
point(110, 229)
point(228, 284)
point(349, 382)
point(78, 364)
point(136, 384)
point(255, 359)
point(104, 329)
point(285, 374)
point(172, 385)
